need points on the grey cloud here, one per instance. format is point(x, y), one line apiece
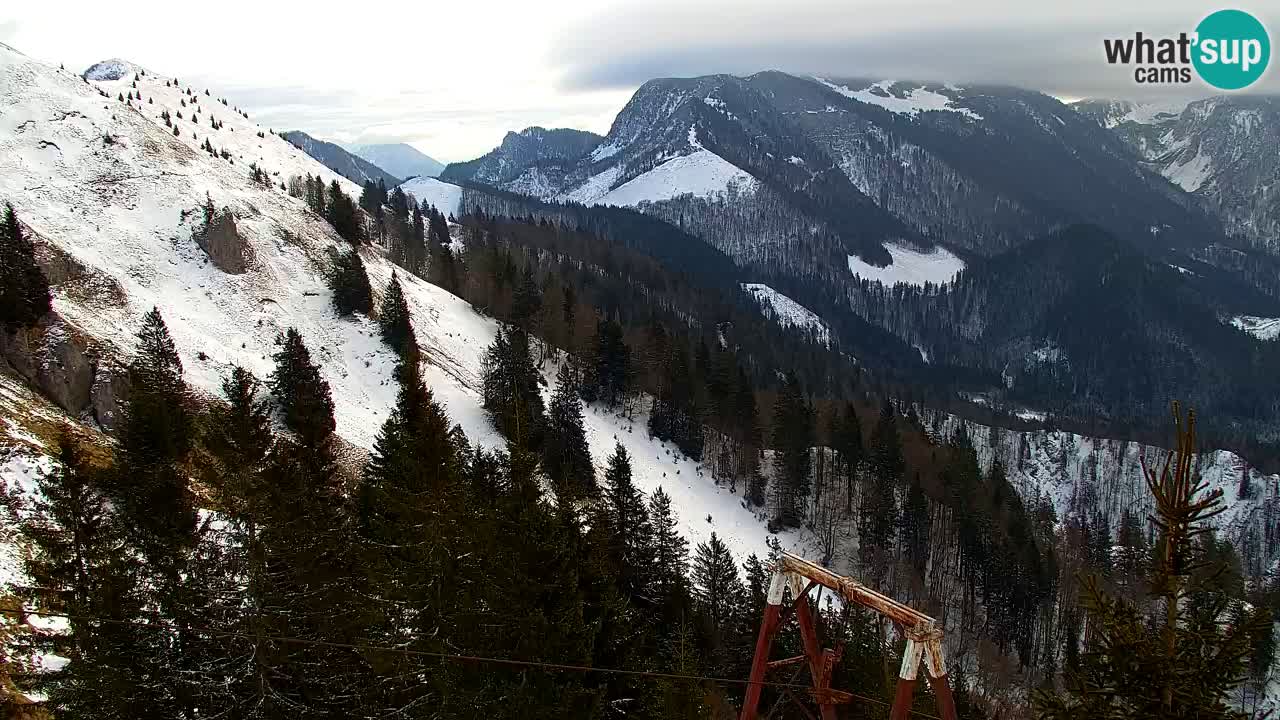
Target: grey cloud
point(1059, 55)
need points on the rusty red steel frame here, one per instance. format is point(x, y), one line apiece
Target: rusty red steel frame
point(924, 641)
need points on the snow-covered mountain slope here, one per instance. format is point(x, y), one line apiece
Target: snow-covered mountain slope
point(1224, 150)
point(910, 266)
point(333, 156)
point(123, 212)
point(701, 174)
point(400, 159)
point(789, 312)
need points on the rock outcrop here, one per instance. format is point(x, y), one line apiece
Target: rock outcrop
point(222, 243)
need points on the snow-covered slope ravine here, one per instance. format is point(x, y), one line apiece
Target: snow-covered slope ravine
point(789, 312)
point(1259, 327)
point(124, 210)
point(1078, 473)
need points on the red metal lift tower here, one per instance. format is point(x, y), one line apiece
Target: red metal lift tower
point(924, 641)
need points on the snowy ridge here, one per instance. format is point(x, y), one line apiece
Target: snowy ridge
point(789, 312)
point(911, 103)
point(910, 266)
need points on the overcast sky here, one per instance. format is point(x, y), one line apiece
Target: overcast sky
point(452, 77)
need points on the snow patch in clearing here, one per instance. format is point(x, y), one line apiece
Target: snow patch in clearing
point(446, 197)
point(910, 266)
point(1259, 327)
point(916, 101)
point(789, 312)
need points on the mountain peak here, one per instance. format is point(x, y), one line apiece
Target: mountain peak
point(399, 159)
point(113, 69)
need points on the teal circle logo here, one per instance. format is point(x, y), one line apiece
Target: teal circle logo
point(1232, 49)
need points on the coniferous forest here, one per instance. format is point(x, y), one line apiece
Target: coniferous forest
point(228, 559)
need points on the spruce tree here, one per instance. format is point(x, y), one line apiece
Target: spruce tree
point(411, 521)
point(394, 318)
point(350, 284)
point(915, 525)
point(750, 438)
point(792, 440)
point(415, 260)
point(527, 302)
point(341, 212)
point(80, 565)
point(886, 447)
point(609, 372)
point(309, 577)
point(511, 391)
point(847, 438)
point(152, 486)
point(631, 537)
point(302, 393)
point(24, 289)
point(1173, 658)
point(671, 551)
point(240, 439)
point(566, 457)
point(524, 569)
point(719, 593)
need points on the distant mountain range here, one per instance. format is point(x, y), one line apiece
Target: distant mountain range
point(400, 159)
point(335, 157)
point(835, 165)
point(1085, 246)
